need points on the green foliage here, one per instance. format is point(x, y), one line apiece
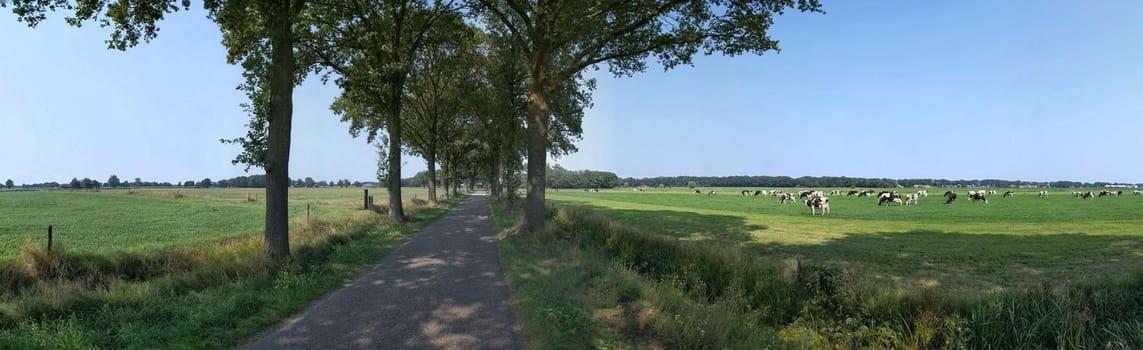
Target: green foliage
point(558, 177)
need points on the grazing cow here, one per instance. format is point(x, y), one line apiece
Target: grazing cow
point(1087, 195)
point(888, 197)
point(818, 202)
point(1137, 192)
point(805, 194)
point(835, 193)
point(1104, 193)
point(745, 193)
point(970, 193)
point(786, 197)
point(978, 197)
point(756, 193)
point(923, 193)
point(1042, 193)
point(851, 193)
point(1009, 194)
point(911, 199)
point(711, 193)
point(1118, 193)
point(698, 192)
point(950, 197)
point(992, 192)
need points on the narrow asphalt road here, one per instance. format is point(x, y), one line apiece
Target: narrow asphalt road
point(443, 289)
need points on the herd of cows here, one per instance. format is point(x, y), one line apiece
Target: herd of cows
point(817, 201)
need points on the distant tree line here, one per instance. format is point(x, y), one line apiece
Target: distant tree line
point(558, 177)
point(834, 181)
point(253, 181)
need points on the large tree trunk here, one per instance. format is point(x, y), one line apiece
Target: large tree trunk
point(277, 235)
point(497, 168)
point(444, 174)
point(454, 177)
point(396, 210)
point(432, 177)
point(538, 114)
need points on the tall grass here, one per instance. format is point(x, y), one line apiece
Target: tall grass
point(697, 294)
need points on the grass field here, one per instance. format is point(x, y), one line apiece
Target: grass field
point(1019, 241)
point(152, 269)
point(116, 220)
point(672, 269)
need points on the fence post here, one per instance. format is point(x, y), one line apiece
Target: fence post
point(307, 214)
point(49, 238)
point(366, 199)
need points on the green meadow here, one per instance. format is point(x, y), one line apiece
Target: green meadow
point(674, 269)
point(1018, 241)
point(146, 269)
point(119, 220)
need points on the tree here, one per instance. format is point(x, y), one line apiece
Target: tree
point(443, 80)
point(382, 160)
point(8, 184)
point(309, 182)
point(113, 181)
point(561, 38)
point(374, 45)
point(205, 183)
point(258, 34)
point(189, 183)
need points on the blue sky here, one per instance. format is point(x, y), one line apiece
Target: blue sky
point(1032, 90)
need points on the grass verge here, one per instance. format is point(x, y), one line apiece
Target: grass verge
point(203, 296)
point(592, 283)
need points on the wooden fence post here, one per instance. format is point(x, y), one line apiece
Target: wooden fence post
point(49, 238)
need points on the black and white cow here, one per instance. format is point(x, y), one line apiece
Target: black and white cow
point(786, 197)
point(851, 193)
point(950, 197)
point(911, 199)
point(1009, 194)
point(978, 197)
point(1042, 193)
point(888, 197)
point(818, 202)
point(698, 191)
point(711, 193)
point(745, 193)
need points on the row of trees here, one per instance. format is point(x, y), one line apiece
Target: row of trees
point(558, 177)
point(834, 181)
point(241, 181)
point(477, 86)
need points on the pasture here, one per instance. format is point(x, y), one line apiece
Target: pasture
point(1015, 242)
point(122, 221)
